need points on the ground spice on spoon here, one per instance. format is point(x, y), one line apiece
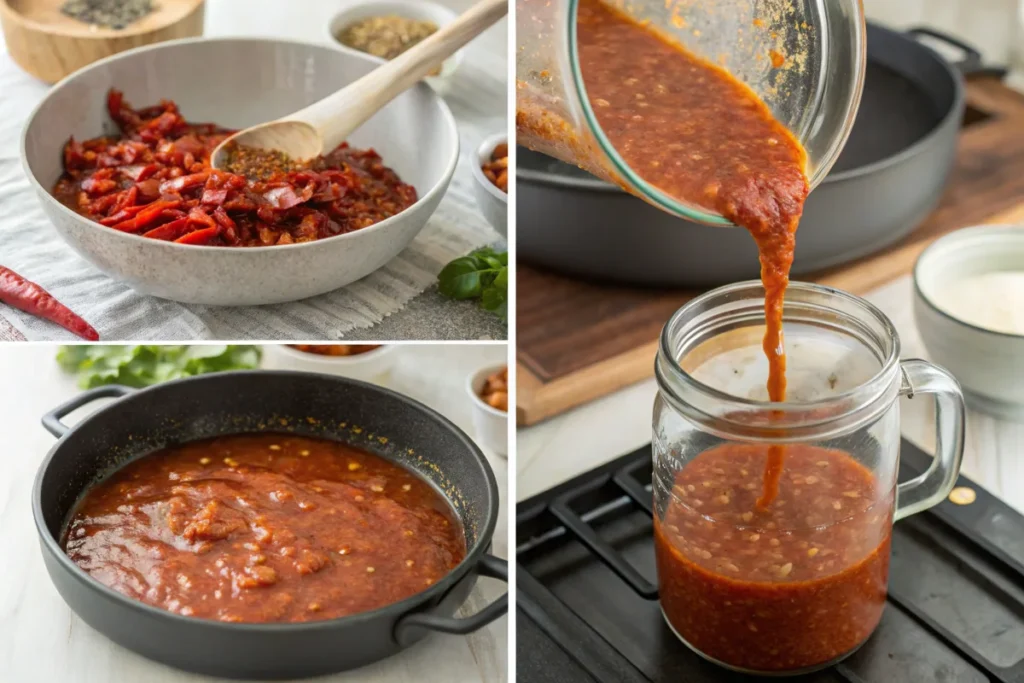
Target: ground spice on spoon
point(257, 163)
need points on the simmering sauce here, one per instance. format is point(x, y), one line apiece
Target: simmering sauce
point(793, 586)
point(265, 528)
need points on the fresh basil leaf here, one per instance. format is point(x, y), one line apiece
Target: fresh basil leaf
point(460, 279)
point(492, 262)
point(481, 274)
point(501, 280)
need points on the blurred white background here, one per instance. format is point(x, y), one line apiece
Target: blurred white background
point(994, 27)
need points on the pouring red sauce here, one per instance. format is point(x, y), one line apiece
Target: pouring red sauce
point(693, 131)
point(770, 557)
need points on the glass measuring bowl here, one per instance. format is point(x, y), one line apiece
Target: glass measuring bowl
point(815, 94)
point(800, 583)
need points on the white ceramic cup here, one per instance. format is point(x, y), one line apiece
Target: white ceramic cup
point(489, 423)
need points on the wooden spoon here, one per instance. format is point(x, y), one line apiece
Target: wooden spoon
point(326, 124)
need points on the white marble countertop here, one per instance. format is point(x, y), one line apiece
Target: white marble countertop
point(42, 641)
point(570, 444)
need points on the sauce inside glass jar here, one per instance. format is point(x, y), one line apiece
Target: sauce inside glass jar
point(791, 586)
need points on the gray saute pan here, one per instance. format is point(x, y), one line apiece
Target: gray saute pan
point(889, 177)
point(142, 421)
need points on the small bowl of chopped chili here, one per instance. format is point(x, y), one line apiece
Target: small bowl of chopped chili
point(488, 392)
point(385, 29)
point(266, 525)
point(367, 362)
point(118, 154)
point(490, 176)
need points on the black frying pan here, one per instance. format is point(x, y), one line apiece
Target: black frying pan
point(889, 177)
point(315, 405)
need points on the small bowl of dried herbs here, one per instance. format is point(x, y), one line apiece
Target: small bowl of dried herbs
point(385, 29)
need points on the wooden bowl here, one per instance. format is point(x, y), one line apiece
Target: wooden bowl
point(50, 45)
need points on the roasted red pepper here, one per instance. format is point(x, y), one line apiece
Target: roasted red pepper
point(158, 172)
point(27, 296)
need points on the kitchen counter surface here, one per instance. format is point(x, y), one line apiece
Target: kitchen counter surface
point(42, 641)
point(567, 445)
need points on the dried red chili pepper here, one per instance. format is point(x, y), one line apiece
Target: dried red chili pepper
point(27, 296)
point(158, 172)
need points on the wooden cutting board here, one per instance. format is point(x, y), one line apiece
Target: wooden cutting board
point(577, 341)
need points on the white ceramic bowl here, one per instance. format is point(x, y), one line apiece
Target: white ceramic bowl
point(493, 202)
point(988, 364)
point(238, 83)
point(422, 10)
point(372, 366)
point(489, 423)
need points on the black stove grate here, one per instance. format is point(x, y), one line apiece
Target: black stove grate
point(587, 599)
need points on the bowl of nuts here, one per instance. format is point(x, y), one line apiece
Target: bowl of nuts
point(385, 29)
point(488, 391)
point(366, 362)
point(490, 175)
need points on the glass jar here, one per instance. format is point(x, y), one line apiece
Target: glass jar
point(816, 95)
point(797, 582)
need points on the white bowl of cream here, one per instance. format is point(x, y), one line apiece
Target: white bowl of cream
point(969, 309)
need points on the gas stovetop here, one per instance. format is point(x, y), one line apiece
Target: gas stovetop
point(587, 606)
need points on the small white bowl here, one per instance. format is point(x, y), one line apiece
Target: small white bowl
point(493, 202)
point(489, 423)
point(423, 10)
point(372, 366)
point(989, 364)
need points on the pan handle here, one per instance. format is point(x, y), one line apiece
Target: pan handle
point(490, 566)
point(971, 64)
point(52, 420)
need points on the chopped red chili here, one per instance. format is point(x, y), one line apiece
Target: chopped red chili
point(155, 180)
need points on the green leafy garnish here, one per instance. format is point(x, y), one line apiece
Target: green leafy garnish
point(482, 275)
point(140, 366)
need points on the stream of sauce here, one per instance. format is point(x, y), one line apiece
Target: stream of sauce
point(693, 131)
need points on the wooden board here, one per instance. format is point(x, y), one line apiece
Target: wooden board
point(577, 341)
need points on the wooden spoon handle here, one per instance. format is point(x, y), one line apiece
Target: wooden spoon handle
point(337, 115)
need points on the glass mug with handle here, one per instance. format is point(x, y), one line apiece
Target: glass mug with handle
point(789, 577)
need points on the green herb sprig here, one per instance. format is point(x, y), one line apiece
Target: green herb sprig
point(482, 275)
point(141, 366)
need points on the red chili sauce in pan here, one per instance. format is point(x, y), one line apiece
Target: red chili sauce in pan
point(795, 585)
point(155, 180)
point(693, 131)
point(265, 528)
